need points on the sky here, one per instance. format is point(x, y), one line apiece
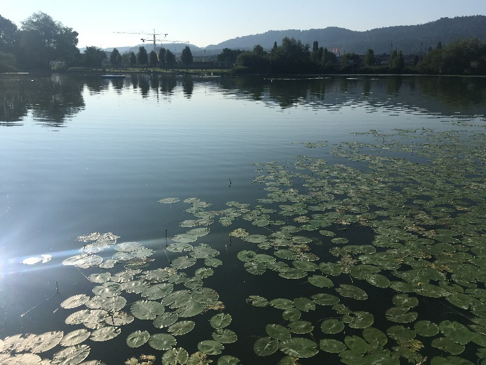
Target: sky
point(108, 23)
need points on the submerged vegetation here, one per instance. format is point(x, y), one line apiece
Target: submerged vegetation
point(361, 257)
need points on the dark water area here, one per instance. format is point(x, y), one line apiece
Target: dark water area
point(82, 154)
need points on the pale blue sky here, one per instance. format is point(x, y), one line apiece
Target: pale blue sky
point(212, 21)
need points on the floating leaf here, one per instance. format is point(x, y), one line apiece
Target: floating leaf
point(146, 310)
point(332, 346)
point(165, 319)
point(137, 338)
point(225, 335)
point(351, 291)
point(320, 281)
point(71, 355)
point(105, 334)
point(265, 346)
point(332, 326)
point(447, 345)
point(456, 332)
point(426, 328)
point(210, 347)
point(304, 304)
point(361, 320)
point(401, 315)
point(162, 341)
point(299, 347)
point(181, 328)
point(175, 356)
point(228, 360)
point(75, 301)
point(75, 337)
point(301, 327)
point(220, 320)
point(277, 331)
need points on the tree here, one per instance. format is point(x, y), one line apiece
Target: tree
point(370, 58)
point(170, 59)
point(328, 59)
point(396, 60)
point(186, 56)
point(229, 55)
point(142, 56)
point(115, 58)
point(43, 40)
point(93, 56)
point(132, 59)
point(153, 59)
point(9, 35)
point(162, 57)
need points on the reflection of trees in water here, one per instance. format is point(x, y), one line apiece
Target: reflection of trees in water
point(187, 86)
point(51, 99)
point(436, 94)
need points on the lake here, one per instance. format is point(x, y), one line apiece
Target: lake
point(242, 220)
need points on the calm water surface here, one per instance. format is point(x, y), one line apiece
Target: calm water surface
point(82, 154)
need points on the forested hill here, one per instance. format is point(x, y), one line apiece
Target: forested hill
point(411, 39)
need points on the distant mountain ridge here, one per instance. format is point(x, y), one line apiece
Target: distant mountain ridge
point(410, 39)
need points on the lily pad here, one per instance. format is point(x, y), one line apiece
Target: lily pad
point(210, 347)
point(175, 356)
point(426, 328)
point(299, 347)
point(137, 338)
point(265, 346)
point(277, 331)
point(332, 346)
point(224, 336)
point(332, 326)
point(181, 328)
point(220, 320)
point(162, 341)
point(320, 281)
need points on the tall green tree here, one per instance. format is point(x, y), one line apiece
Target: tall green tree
point(170, 58)
point(370, 58)
point(132, 59)
point(229, 55)
point(142, 56)
point(186, 56)
point(9, 35)
point(162, 57)
point(115, 58)
point(93, 56)
point(43, 40)
point(153, 59)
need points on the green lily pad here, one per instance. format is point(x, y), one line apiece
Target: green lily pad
point(210, 347)
point(426, 328)
point(277, 331)
point(447, 345)
point(146, 310)
point(304, 304)
point(332, 326)
point(220, 320)
point(224, 336)
point(228, 360)
point(137, 338)
point(299, 347)
point(456, 332)
point(301, 327)
point(320, 281)
point(401, 315)
point(175, 356)
point(325, 299)
point(351, 291)
point(361, 320)
point(332, 346)
point(162, 341)
point(374, 336)
point(265, 346)
point(356, 344)
point(181, 328)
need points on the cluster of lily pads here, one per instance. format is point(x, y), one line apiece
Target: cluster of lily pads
point(386, 252)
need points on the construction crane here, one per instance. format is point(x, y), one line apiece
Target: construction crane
point(154, 38)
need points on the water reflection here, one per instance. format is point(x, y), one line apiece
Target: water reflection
point(54, 99)
point(51, 100)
